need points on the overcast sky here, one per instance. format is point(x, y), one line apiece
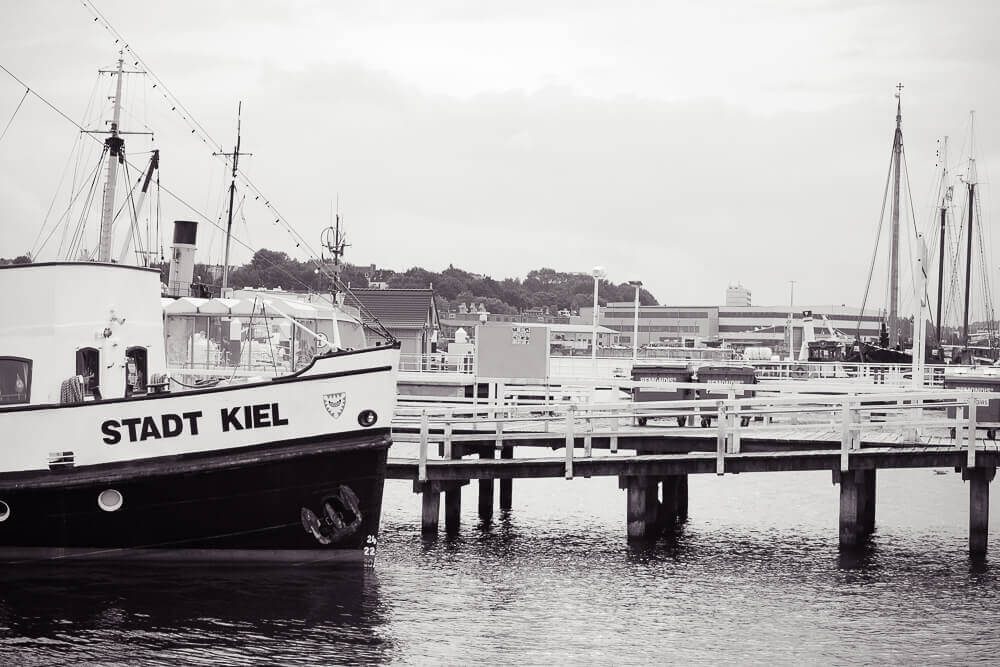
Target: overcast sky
point(687, 144)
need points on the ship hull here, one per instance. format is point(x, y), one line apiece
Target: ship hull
point(250, 505)
point(290, 469)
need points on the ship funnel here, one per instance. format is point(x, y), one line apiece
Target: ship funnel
point(182, 258)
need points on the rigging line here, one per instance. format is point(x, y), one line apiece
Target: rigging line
point(52, 202)
point(75, 240)
point(916, 235)
point(149, 71)
point(134, 226)
point(47, 103)
point(18, 108)
point(65, 217)
point(878, 237)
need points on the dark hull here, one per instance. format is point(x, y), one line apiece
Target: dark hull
point(873, 354)
point(240, 505)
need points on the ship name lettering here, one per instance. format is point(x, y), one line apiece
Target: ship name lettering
point(260, 415)
point(140, 429)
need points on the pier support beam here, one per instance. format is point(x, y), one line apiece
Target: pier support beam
point(979, 506)
point(430, 506)
point(506, 484)
point(868, 501)
point(452, 507)
point(486, 492)
point(642, 505)
point(674, 505)
point(857, 506)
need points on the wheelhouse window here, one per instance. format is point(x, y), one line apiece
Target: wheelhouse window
point(15, 380)
point(88, 367)
point(135, 378)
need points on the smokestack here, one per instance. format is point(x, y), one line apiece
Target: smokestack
point(182, 259)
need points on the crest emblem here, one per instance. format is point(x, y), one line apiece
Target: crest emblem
point(334, 403)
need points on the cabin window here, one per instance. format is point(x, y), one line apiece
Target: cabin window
point(135, 370)
point(15, 380)
point(89, 368)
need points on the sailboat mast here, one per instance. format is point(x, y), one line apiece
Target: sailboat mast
point(114, 144)
point(897, 153)
point(971, 182)
point(968, 267)
point(945, 196)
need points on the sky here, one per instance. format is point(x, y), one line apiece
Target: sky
point(690, 145)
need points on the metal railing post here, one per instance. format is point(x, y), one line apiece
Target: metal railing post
point(721, 440)
point(570, 438)
point(846, 436)
point(971, 461)
point(424, 429)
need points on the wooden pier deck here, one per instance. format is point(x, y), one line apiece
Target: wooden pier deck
point(850, 436)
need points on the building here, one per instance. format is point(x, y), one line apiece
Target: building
point(658, 325)
point(454, 320)
point(740, 326)
point(570, 339)
point(737, 295)
point(409, 314)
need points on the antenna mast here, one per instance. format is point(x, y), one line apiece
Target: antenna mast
point(235, 155)
point(335, 241)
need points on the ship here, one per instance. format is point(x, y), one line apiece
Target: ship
point(107, 456)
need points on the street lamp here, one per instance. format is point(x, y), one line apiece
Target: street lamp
point(598, 273)
point(635, 323)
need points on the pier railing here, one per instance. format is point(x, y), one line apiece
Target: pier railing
point(611, 367)
point(849, 415)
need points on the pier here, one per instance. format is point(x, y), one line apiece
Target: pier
point(852, 431)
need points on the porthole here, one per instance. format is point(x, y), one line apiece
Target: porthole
point(4, 511)
point(110, 500)
point(367, 418)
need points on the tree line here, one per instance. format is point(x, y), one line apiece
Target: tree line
point(543, 288)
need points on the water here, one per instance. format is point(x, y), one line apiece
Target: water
point(754, 576)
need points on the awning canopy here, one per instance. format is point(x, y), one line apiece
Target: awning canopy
point(251, 307)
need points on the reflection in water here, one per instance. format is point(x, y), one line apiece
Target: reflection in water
point(193, 614)
point(754, 575)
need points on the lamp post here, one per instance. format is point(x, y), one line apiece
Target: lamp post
point(635, 321)
point(598, 273)
point(791, 315)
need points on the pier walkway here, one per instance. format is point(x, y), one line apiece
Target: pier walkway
point(851, 431)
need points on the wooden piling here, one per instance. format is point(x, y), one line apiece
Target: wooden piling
point(452, 507)
point(868, 501)
point(430, 497)
point(979, 506)
point(641, 506)
point(506, 483)
point(680, 498)
point(486, 491)
point(851, 502)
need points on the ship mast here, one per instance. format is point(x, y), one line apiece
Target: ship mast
point(235, 155)
point(116, 154)
point(897, 153)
